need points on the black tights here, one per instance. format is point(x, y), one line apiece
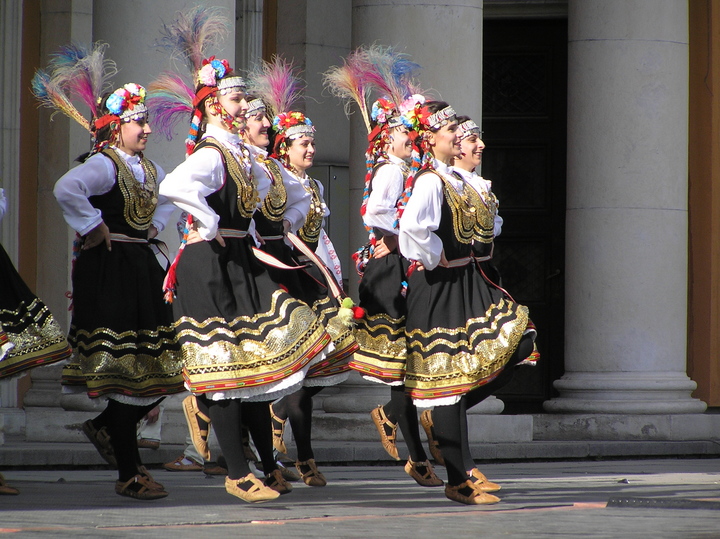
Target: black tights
point(256, 417)
point(227, 420)
point(298, 407)
point(450, 422)
point(227, 417)
point(402, 411)
point(121, 421)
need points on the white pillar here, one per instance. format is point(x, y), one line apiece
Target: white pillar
point(627, 212)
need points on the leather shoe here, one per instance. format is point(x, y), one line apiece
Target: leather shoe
point(178, 465)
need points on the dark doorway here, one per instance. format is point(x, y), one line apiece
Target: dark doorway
point(525, 130)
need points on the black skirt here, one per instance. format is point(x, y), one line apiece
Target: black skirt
point(310, 285)
point(461, 332)
point(238, 329)
point(381, 333)
point(122, 328)
point(29, 335)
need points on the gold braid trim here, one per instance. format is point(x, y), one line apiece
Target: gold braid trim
point(310, 231)
point(273, 206)
point(463, 213)
point(486, 209)
point(140, 198)
point(247, 197)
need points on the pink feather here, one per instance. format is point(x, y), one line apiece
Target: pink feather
point(169, 100)
point(276, 84)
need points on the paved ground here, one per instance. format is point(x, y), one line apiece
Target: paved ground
point(613, 499)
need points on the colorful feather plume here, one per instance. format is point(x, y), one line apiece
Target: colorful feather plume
point(392, 73)
point(83, 72)
point(75, 72)
point(51, 95)
point(276, 84)
point(193, 33)
point(351, 82)
point(169, 100)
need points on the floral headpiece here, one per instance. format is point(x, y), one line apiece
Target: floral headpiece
point(218, 73)
point(124, 105)
point(292, 125)
point(467, 128)
point(423, 120)
point(214, 76)
point(289, 126)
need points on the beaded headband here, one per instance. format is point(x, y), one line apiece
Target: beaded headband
point(467, 128)
point(255, 107)
point(231, 84)
point(440, 118)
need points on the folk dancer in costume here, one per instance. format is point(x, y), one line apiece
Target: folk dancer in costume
point(317, 285)
point(380, 333)
point(472, 146)
point(244, 339)
point(29, 335)
point(125, 346)
point(461, 330)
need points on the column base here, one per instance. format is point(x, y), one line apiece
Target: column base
point(625, 427)
point(625, 393)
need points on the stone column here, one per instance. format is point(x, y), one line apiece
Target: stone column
point(627, 211)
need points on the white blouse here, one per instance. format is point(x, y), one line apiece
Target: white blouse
point(483, 187)
point(97, 176)
point(388, 185)
point(203, 173)
point(421, 217)
point(298, 199)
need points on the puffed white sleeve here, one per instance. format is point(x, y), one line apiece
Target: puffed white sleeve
point(381, 209)
point(3, 203)
point(420, 219)
point(497, 225)
point(165, 207)
point(96, 176)
point(200, 175)
point(298, 200)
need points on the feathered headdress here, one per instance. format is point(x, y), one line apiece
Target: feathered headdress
point(81, 73)
point(276, 83)
point(279, 87)
point(387, 74)
point(75, 72)
point(188, 39)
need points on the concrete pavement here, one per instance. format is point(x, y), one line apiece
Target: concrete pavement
point(541, 499)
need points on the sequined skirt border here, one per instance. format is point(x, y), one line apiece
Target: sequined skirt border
point(29, 334)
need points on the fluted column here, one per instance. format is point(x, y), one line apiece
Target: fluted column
point(627, 211)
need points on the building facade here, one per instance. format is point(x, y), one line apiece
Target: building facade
point(601, 121)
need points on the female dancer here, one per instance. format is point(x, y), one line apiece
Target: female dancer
point(383, 351)
point(125, 346)
point(295, 147)
point(243, 338)
point(471, 147)
point(380, 333)
point(462, 331)
point(29, 335)
point(276, 83)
